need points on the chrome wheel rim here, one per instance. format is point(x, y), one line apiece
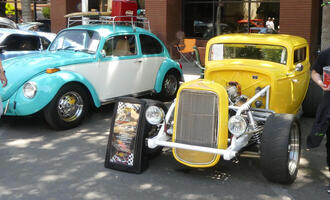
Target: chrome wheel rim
point(170, 85)
point(70, 106)
point(293, 149)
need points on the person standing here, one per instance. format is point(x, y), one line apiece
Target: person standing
point(270, 24)
point(321, 125)
point(3, 80)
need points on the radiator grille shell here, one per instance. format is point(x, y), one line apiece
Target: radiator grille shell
point(197, 124)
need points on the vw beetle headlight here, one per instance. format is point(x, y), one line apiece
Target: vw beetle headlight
point(237, 125)
point(30, 89)
point(155, 115)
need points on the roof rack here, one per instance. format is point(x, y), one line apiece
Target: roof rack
point(79, 18)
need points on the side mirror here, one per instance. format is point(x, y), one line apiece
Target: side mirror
point(2, 48)
point(103, 53)
point(299, 67)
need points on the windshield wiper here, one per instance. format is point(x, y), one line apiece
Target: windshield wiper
point(65, 48)
point(86, 51)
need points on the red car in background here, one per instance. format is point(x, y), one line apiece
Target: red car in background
point(243, 24)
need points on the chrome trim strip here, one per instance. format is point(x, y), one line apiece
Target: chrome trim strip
point(6, 108)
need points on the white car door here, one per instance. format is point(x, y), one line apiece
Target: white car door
point(120, 70)
point(152, 58)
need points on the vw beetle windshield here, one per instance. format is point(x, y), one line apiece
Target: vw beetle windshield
point(271, 53)
point(77, 40)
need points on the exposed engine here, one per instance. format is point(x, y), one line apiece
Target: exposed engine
point(236, 98)
point(234, 94)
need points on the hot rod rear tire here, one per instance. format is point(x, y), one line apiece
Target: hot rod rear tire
point(280, 148)
point(68, 108)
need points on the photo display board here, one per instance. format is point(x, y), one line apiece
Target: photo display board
point(125, 144)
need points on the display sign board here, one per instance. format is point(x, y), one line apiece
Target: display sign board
point(126, 139)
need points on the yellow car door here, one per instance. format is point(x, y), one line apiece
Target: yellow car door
point(300, 76)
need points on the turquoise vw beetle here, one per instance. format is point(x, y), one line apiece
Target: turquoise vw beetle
point(86, 66)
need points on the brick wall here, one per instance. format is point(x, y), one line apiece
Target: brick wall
point(156, 12)
point(58, 9)
point(301, 17)
point(165, 19)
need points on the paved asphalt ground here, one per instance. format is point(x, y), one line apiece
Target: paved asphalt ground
point(37, 163)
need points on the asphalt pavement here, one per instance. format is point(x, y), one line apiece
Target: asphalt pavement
point(38, 163)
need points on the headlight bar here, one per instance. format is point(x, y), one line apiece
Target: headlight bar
point(162, 136)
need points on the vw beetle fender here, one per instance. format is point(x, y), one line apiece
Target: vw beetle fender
point(47, 87)
point(166, 66)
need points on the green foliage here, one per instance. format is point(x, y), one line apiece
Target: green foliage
point(46, 12)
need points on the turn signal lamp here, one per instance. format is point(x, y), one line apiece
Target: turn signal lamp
point(52, 70)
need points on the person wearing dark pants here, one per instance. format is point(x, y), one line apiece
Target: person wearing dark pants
point(321, 125)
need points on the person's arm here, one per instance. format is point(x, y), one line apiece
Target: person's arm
point(3, 77)
point(318, 80)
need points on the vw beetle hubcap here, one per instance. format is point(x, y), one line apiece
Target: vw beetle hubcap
point(170, 85)
point(70, 106)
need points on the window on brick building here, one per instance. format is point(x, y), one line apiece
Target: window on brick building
point(207, 18)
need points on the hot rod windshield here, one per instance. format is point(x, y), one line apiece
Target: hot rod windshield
point(271, 53)
point(77, 40)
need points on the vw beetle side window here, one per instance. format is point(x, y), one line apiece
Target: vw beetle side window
point(271, 53)
point(123, 45)
point(150, 45)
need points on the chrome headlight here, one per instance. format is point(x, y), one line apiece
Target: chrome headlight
point(30, 89)
point(237, 125)
point(155, 115)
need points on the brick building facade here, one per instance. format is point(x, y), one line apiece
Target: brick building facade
point(297, 17)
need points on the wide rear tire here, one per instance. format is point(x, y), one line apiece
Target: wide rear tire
point(280, 148)
point(68, 108)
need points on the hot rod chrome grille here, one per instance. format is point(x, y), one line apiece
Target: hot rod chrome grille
point(197, 118)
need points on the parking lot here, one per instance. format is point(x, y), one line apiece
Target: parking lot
point(39, 163)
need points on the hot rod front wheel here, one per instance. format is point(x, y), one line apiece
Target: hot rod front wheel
point(280, 148)
point(68, 108)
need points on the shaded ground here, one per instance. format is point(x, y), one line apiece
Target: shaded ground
point(39, 163)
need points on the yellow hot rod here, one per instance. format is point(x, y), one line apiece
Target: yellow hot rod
point(246, 105)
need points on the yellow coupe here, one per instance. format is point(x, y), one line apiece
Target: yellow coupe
point(246, 105)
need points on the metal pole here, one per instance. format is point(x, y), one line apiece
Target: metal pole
point(84, 5)
point(35, 10)
point(249, 15)
point(84, 8)
point(16, 11)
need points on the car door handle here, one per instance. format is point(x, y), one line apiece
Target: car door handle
point(295, 80)
point(138, 61)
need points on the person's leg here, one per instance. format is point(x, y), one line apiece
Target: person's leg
point(327, 145)
point(320, 125)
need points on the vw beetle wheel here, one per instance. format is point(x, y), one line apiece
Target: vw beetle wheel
point(68, 108)
point(170, 86)
point(280, 148)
